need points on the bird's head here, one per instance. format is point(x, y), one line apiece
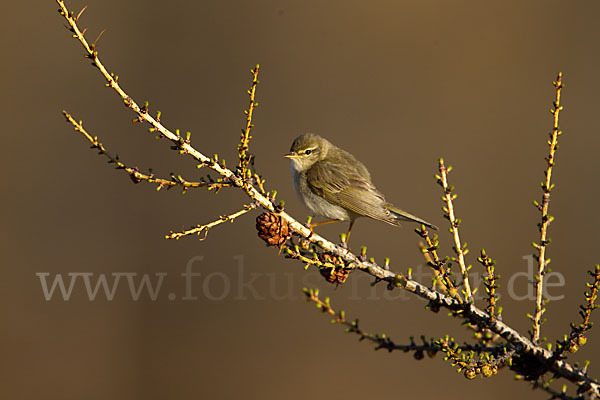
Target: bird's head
point(306, 150)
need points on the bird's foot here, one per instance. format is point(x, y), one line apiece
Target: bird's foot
point(312, 232)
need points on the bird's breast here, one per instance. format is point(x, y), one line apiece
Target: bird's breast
point(315, 203)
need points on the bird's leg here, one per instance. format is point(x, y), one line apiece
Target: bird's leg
point(329, 221)
point(313, 225)
point(345, 242)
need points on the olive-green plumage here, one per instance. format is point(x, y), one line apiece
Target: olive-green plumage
point(332, 183)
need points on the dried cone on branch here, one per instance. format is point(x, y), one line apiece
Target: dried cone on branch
point(272, 229)
point(335, 275)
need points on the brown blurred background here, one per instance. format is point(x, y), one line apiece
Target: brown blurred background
point(399, 84)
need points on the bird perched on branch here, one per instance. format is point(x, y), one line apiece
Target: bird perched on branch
point(333, 184)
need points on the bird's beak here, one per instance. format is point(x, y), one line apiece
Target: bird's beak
point(290, 155)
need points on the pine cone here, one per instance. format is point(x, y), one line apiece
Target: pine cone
point(335, 275)
point(272, 229)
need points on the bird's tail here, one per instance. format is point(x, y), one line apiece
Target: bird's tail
point(404, 216)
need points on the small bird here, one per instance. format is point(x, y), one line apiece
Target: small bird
point(332, 183)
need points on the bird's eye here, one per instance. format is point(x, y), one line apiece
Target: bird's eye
point(307, 152)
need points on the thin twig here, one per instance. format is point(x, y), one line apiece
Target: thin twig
point(576, 337)
point(439, 266)
point(547, 187)
point(320, 260)
point(490, 283)
point(487, 365)
point(460, 249)
point(198, 229)
point(385, 342)
point(135, 175)
point(244, 157)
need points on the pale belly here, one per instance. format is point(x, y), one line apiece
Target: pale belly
point(316, 205)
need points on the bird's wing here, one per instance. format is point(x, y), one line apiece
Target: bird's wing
point(345, 186)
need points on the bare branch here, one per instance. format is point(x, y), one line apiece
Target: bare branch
point(439, 266)
point(576, 338)
point(198, 229)
point(547, 187)
point(245, 138)
point(135, 175)
point(490, 283)
point(382, 341)
point(460, 249)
